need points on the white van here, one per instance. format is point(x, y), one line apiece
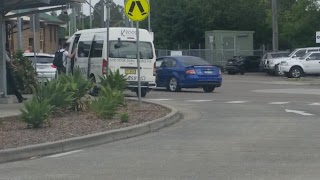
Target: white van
point(91, 56)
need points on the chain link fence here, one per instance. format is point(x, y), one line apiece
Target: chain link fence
point(216, 57)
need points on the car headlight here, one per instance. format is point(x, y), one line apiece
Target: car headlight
point(284, 63)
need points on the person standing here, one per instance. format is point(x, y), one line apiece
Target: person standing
point(61, 58)
point(11, 81)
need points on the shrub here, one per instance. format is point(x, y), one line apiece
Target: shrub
point(104, 107)
point(55, 92)
point(113, 94)
point(36, 112)
point(24, 73)
point(79, 86)
point(124, 117)
point(114, 80)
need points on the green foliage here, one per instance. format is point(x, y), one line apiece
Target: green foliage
point(107, 103)
point(114, 80)
point(116, 14)
point(124, 118)
point(79, 86)
point(113, 94)
point(24, 73)
point(36, 112)
point(55, 92)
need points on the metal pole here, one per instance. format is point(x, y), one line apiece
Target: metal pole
point(108, 27)
point(149, 19)
point(3, 77)
point(19, 28)
point(275, 43)
point(126, 19)
point(138, 64)
point(90, 14)
point(34, 42)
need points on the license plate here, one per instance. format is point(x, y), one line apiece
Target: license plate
point(208, 72)
point(41, 67)
point(130, 71)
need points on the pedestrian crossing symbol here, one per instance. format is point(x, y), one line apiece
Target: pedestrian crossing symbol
point(137, 10)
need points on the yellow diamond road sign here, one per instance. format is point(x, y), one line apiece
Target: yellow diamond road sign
point(137, 10)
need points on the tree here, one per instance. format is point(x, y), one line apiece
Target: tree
point(116, 14)
point(54, 13)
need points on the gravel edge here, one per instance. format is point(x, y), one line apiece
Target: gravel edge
point(27, 152)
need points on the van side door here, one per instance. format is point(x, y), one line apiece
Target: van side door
point(83, 54)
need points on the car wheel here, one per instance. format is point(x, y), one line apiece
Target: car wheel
point(209, 89)
point(173, 85)
point(231, 73)
point(295, 72)
point(278, 72)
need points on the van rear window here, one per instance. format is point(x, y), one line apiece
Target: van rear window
point(128, 49)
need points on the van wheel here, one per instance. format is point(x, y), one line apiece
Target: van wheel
point(143, 93)
point(173, 85)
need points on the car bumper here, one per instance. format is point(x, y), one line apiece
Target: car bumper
point(45, 76)
point(200, 82)
point(270, 67)
point(232, 68)
point(285, 69)
point(144, 84)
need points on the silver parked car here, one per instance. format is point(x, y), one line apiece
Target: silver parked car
point(45, 68)
point(269, 56)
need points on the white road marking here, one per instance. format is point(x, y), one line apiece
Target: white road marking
point(64, 154)
point(236, 102)
point(299, 112)
point(199, 100)
point(314, 104)
point(279, 103)
point(160, 99)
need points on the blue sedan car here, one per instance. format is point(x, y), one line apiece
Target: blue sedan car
point(176, 72)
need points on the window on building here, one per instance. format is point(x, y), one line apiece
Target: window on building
point(50, 28)
point(41, 40)
point(55, 33)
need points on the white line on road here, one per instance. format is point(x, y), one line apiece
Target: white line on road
point(64, 154)
point(279, 103)
point(160, 99)
point(236, 102)
point(314, 104)
point(199, 100)
point(299, 112)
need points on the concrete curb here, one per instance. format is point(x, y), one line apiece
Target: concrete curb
point(38, 150)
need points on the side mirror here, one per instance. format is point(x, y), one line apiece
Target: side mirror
point(294, 56)
point(308, 58)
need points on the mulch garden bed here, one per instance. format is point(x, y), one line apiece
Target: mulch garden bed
point(14, 133)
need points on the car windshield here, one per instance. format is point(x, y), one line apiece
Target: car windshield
point(128, 49)
point(276, 55)
point(292, 53)
point(42, 59)
point(193, 61)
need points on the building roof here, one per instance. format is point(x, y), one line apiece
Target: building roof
point(9, 5)
point(44, 17)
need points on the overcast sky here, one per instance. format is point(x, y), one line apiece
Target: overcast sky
point(86, 9)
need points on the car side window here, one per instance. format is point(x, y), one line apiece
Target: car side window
point(300, 53)
point(314, 57)
point(168, 62)
point(313, 50)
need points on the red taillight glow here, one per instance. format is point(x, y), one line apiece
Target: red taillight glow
point(191, 71)
point(154, 69)
point(104, 66)
point(53, 66)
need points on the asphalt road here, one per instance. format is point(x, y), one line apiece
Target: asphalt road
point(247, 129)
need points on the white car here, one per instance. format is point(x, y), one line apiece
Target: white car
point(273, 65)
point(45, 68)
point(308, 64)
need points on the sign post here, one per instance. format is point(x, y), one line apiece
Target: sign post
point(318, 37)
point(137, 10)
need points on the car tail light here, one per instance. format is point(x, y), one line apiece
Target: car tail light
point(104, 66)
point(53, 66)
point(191, 71)
point(154, 69)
